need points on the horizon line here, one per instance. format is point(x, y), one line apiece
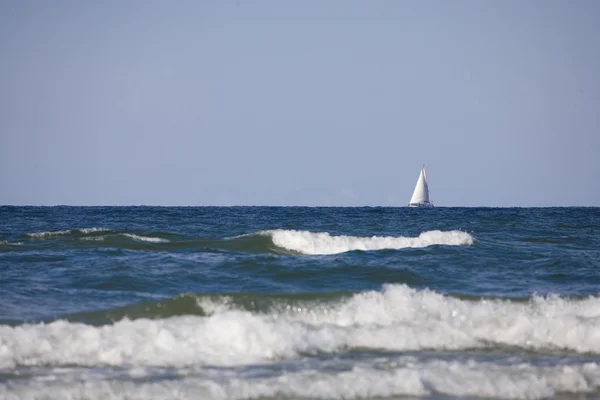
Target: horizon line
point(289, 206)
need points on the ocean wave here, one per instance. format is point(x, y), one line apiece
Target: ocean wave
point(39, 235)
point(405, 376)
point(94, 238)
point(315, 243)
point(86, 231)
point(96, 234)
point(279, 241)
point(397, 318)
point(80, 231)
point(145, 238)
point(7, 243)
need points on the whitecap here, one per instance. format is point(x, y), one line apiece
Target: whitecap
point(7, 243)
point(39, 235)
point(404, 377)
point(85, 231)
point(397, 318)
point(315, 243)
point(145, 238)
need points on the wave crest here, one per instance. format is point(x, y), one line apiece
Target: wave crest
point(223, 332)
point(403, 376)
point(321, 243)
point(95, 234)
point(269, 241)
point(7, 243)
point(145, 238)
point(79, 231)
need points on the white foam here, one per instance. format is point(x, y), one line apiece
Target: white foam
point(65, 232)
point(94, 238)
point(403, 377)
point(395, 319)
point(92, 230)
point(307, 242)
point(213, 306)
point(38, 235)
point(145, 238)
point(87, 231)
point(6, 242)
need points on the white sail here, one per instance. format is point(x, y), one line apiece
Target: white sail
point(420, 197)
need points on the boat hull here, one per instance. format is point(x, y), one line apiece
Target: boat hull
point(421, 205)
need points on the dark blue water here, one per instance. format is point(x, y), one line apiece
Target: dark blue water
point(294, 302)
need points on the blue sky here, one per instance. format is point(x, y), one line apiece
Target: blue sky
point(299, 103)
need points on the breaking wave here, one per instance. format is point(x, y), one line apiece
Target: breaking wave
point(278, 241)
point(227, 332)
point(306, 242)
point(80, 231)
point(405, 376)
point(7, 243)
point(95, 234)
point(145, 238)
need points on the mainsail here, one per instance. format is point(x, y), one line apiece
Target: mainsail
point(420, 197)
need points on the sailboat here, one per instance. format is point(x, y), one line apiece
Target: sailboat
point(420, 196)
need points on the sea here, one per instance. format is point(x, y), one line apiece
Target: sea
point(299, 303)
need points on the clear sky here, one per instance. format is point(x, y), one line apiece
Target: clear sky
point(299, 102)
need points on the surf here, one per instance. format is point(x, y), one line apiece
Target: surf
point(323, 243)
point(227, 332)
point(278, 241)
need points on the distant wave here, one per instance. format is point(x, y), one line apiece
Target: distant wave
point(270, 241)
point(402, 377)
point(80, 231)
point(7, 243)
point(239, 330)
point(95, 234)
point(49, 234)
point(145, 238)
point(306, 242)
